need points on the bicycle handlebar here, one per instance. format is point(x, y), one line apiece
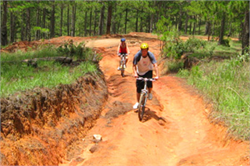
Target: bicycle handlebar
point(122, 54)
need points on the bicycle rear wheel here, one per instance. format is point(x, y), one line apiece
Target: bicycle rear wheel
point(122, 67)
point(141, 106)
point(122, 71)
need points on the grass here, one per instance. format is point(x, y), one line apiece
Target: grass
point(227, 84)
point(225, 81)
point(16, 77)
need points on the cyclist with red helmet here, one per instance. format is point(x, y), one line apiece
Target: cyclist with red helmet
point(123, 49)
point(143, 64)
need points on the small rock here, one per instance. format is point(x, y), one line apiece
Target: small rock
point(93, 148)
point(97, 138)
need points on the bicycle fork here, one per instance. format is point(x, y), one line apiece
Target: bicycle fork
point(144, 92)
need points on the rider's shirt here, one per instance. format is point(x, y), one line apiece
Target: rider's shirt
point(144, 64)
point(123, 49)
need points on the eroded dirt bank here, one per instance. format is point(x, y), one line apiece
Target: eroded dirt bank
point(176, 129)
point(44, 126)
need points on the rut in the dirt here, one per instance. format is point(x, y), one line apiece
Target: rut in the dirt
point(58, 127)
point(176, 129)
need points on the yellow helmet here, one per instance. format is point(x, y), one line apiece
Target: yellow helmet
point(144, 46)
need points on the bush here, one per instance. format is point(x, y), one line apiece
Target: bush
point(225, 42)
point(177, 48)
point(80, 51)
point(174, 66)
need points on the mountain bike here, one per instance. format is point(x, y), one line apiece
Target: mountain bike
point(143, 97)
point(123, 63)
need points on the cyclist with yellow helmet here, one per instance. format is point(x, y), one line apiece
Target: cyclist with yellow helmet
point(143, 63)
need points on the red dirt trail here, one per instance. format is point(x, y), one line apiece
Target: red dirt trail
point(175, 131)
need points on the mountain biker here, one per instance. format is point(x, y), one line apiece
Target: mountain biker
point(143, 63)
point(123, 49)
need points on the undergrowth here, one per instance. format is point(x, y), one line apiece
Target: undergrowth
point(18, 76)
point(227, 84)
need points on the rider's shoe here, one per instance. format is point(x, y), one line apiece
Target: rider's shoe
point(125, 66)
point(119, 68)
point(136, 105)
point(150, 96)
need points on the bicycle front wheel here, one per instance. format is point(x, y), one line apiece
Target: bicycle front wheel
point(141, 106)
point(122, 71)
point(122, 67)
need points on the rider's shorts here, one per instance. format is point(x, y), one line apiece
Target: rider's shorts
point(124, 53)
point(140, 83)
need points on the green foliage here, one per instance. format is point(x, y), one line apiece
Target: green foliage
point(17, 76)
point(174, 66)
point(196, 46)
point(42, 30)
point(79, 51)
point(227, 85)
point(225, 42)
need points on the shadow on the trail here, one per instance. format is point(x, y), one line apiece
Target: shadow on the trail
point(149, 114)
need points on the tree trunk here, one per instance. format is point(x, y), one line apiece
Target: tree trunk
point(141, 23)
point(68, 21)
point(101, 21)
point(44, 21)
point(207, 28)
point(52, 23)
point(114, 22)
point(126, 17)
point(245, 34)
point(73, 20)
point(4, 35)
point(38, 22)
point(194, 26)
point(119, 23)
point(186, 24)
point(12, 27)
point(28, 27)
point(95, 23)
point(23, 27)
point(151, 23)
point(109, 18)
point(136, 22)
point(180, 21)
point(222, 29)
point(90, 22)
point(61, 20)
point(199, 25)
point(85, 23)
point(190, 27)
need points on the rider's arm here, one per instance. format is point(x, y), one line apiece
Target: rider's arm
point(135, 61)
point(156, 70)
point(118, 49)
point(134, 71)
point(128, 52)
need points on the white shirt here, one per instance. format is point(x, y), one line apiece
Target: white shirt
point(144, 65)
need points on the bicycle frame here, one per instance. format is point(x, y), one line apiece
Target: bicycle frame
point(122, 63)
point(143, 97)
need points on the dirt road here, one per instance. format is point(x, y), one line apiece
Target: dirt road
point(175, 130)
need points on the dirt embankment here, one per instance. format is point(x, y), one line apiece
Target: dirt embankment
point(43, 126)
point(56, 127)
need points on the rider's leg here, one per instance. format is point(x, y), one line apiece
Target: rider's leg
point(150, 90)
point(138, 97)
point(139, 87)
point(150, 85)
point(126, 61)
